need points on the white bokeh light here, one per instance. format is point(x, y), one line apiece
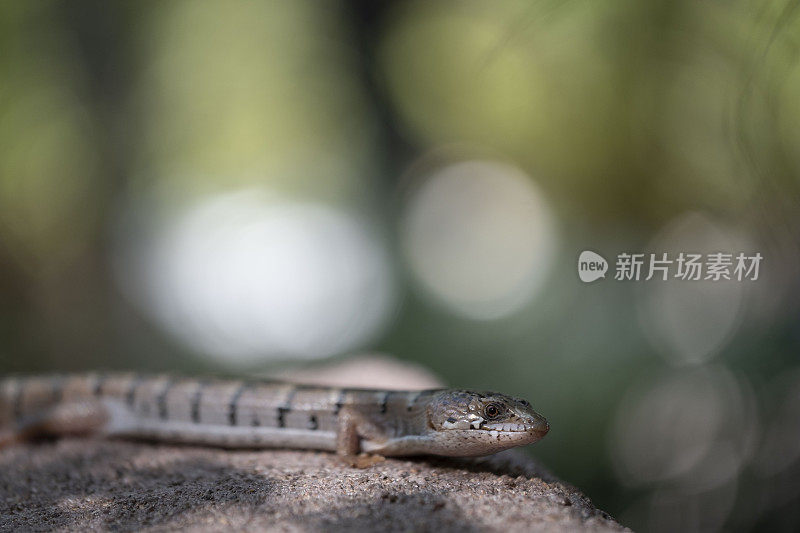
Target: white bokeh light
point(246, 277)
point(689, 322)
point(479, 238)
point(694, 429)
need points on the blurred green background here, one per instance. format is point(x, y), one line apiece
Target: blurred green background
point(236, 186)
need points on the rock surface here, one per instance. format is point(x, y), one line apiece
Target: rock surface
point(93, 484)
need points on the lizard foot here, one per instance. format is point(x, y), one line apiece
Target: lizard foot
point(363, 460)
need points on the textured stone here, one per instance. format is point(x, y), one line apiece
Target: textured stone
point(94, 484)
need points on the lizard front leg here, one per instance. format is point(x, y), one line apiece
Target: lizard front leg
point(353, 427)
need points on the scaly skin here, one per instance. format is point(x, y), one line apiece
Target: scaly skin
point(266, 414)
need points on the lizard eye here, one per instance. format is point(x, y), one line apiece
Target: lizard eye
point(491, 411)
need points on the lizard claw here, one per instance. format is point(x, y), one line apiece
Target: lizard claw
point(363, 460)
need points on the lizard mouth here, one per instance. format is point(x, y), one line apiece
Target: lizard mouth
point(538, 427)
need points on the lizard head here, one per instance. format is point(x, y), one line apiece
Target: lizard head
point(480, 423)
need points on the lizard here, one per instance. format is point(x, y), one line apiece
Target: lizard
point(267, 414)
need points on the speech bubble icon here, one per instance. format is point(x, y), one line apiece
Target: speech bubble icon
point(591, 266)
